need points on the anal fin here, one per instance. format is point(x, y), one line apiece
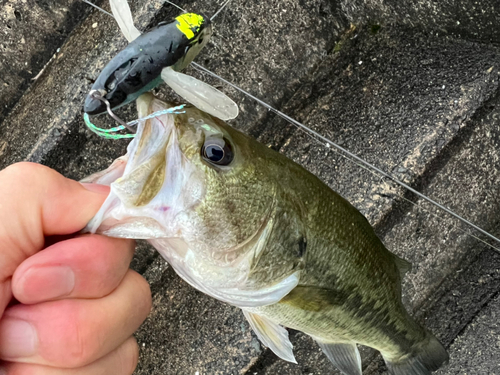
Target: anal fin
point(272, 335)
point(345, 356)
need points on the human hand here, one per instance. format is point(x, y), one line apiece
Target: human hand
point(79, 303)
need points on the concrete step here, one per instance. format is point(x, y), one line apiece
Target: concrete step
point(474, 20)
point(475, 351)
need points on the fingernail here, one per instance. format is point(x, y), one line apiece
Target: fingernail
point(18, 339)
point(96, 188)
point(47, 282)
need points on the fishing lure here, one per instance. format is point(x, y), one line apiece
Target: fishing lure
point(155, 56)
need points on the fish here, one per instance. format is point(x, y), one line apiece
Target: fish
point(153, 57)
point(249, 227)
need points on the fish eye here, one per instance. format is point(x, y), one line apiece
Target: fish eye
point(217, 151)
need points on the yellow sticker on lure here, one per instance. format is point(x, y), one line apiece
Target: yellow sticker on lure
point(187, 22)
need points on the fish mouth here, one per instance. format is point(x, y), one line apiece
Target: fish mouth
point(146, 184)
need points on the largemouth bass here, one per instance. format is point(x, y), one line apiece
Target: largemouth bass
point(249, 227)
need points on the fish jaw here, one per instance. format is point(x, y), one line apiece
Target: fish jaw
point(153, 186)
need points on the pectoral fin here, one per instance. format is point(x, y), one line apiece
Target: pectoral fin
point(345, 356)
point(200, 94)
point(272, 335)
point(123, 16)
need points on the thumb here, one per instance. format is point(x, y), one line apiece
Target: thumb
point(36, 201)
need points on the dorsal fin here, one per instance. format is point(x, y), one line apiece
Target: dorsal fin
point(403, 265)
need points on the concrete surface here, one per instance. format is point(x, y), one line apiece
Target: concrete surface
point(412, 86)
point(31, 31)
point(471, 19)
point(477, 347)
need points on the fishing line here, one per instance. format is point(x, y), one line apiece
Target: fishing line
point(176, 110)
point(175, 5)
point(108, 133)
point(452, 225)
point(338, 147)
point(373, 173)
point(220, 9)
point(350, 154)
point(95, 6)
point(166, 1)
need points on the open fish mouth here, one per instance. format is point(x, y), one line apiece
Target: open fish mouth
point(151, 185)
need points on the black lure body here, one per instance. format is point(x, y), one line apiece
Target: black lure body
point(137, 68)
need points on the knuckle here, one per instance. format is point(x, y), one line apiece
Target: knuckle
point(80, 348)
point(128, 356)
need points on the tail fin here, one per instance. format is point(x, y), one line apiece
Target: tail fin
point(429, 356)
